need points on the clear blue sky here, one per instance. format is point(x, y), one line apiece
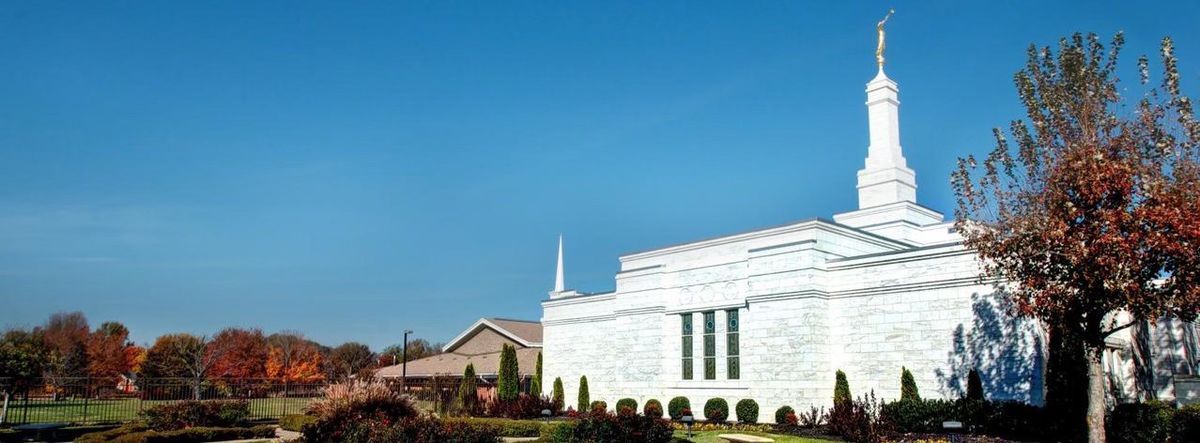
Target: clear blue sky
point(352, 170)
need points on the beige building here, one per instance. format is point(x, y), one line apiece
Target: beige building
point(479, 345)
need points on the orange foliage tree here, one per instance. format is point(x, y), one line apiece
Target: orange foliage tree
point(109, 353)
point(242, 354)
point(293, 358)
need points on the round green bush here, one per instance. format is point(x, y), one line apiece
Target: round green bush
point(676, 406)
point(716, 410)
point(627, 403)
point(599, 404)
point(652, 409)
point(781, 414)
point(747, 411)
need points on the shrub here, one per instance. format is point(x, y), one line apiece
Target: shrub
point(781, 414)
point(908, 385)
point(627, 403)
point(919, 415)
point(135, 434)
point(1140, 422)
point(563, 431)
point(507, 427)
point(841, 388)
point(676, 406)
point(416, 429)
point(602, 426)
point(525, 406)
point(507, 383)
point(716, 410)
point(557, 397)
point(653, 408)
point(598, 404)
point(1186, 423)
point(536, 387)
point(974, 386)
point(584, 400)
point(351, 409)
point(190, 414)
point(859, 420)
point(296, 422)
point(813, 418)
point(747, 411)
point(468, 391)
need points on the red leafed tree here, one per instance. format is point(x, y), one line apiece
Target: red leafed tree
point(1089, 216)
point(293, 358)
point(242, 353)
point(109, 353)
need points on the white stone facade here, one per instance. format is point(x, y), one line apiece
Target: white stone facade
point(872, 290)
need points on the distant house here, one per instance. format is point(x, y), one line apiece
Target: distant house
point(480, 345)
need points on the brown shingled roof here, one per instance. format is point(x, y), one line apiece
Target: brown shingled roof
point(453, 364)
point(530, 331)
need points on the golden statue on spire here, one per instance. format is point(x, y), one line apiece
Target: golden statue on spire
point(879, 49)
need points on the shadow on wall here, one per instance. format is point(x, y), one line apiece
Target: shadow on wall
point(1007, 351)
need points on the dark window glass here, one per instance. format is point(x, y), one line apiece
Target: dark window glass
point(710, 345)
point(686, 346)
point(732, 351)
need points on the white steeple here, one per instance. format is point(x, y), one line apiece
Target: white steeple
point(885, 178)
point(559, 286)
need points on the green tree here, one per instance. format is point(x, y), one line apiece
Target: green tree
point(584, 401)
point(841, 389)
point(351, 359)
point(1089, 211)
point(508, 380)
point(468, 391)
point(908, 386)
point(974, 386)
point(558, 397)
point(536, 387)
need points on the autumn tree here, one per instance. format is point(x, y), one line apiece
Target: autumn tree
point(182, 356)
point(350, 359)
point(242, 353)
point(1088, 216)
point(293, 358)
point(109, 353)
point(65, 336)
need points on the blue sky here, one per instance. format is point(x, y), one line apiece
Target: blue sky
point(352, 170)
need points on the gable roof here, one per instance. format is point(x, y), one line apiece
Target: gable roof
point(527, 333)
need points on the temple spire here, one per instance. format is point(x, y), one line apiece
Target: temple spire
point(885, 178)
point(559, 285)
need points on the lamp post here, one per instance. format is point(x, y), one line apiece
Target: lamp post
point(404, 363)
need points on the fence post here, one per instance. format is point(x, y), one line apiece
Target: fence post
point(87, 388)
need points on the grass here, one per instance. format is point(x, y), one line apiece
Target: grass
point(711, 437)
point(123, 410)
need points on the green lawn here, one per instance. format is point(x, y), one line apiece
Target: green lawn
point(122, 410)
point(711, 437)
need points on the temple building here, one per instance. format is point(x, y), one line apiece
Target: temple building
point(771, 314)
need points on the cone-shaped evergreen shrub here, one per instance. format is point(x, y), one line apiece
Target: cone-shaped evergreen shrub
point(974, 386)
point(507, 383)
point(558, 398)
point(535, 388)
point(747, 411)
point(716, 410)
point(908, 386)
point(468, 391)
point(676, 406)
point(653, 408)
point(841, 389)
point(584, 400)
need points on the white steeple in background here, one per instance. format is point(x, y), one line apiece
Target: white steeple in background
point(559, 285)
point(885, 178)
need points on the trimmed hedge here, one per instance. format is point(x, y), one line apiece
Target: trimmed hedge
point(747, 411)
point(296, 423)
point(507, 427)
point(781, 414)
point(602, 426)
point(716, 410)
point(189, 435)
point(653, 408)
point(1148, 422)
point(192, 414)
point(676, 406)
point(599, 404)
point(627, 403)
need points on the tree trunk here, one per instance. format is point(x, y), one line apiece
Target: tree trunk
point(1095, 406)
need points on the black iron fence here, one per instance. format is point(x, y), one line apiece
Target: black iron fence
point(91, 401)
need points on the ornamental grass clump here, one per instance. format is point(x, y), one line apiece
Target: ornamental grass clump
point(346, 408)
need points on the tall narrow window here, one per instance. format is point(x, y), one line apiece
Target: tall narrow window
point(731, 344)
point(687, 346)
point(710, 345)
